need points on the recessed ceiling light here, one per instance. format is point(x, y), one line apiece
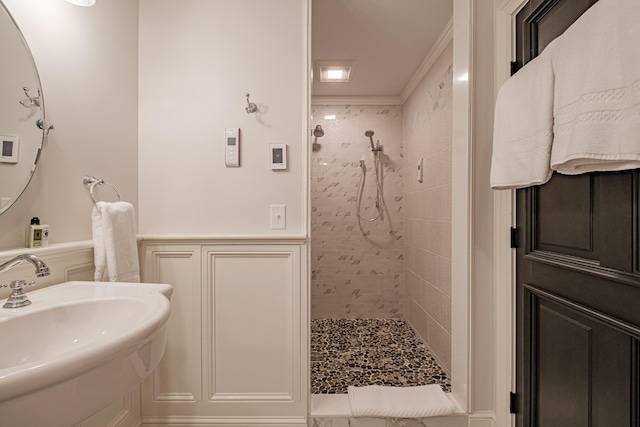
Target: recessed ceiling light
point(335, 74)
point(329, 116)
point(334, 71)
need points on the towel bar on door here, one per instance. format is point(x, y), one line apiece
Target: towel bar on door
point(91, 181)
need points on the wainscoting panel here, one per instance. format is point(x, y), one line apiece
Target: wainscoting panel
point(177, 378)
point(67, 262)
point(236, 346)
point(124, 412)
point(252, 338)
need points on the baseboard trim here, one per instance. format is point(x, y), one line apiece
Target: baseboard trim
point(482, 419)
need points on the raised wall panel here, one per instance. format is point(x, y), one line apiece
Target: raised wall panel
point(124, 412)
point(177, 377)
point(72, 262)
point(254, 328)
point(236, 345)
point(83, 272)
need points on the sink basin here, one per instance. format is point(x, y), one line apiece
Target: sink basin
point(77, 348)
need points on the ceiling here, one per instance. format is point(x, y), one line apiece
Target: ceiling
point(386, 39)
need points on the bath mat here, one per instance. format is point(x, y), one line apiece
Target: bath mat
point(399, 402)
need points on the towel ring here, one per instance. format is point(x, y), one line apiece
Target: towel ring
point(91, 182)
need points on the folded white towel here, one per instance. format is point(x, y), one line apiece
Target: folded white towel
point(597, 90)
point(114, 240)
point(523, 126)
point(399, 402)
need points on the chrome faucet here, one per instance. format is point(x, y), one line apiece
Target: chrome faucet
point(18, 297)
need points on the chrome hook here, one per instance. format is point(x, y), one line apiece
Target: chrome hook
point(46, 127)
point(31, 101)
point(251, 107)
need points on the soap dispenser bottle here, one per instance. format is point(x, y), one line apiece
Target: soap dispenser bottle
point(35, 236)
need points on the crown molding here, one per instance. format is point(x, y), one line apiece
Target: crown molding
point(445, 37)
point(356, 100)
point(443, 40)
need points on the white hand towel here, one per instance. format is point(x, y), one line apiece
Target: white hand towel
point(597, 90)
point(523, 126)
point(115, 246)
point(399, 402)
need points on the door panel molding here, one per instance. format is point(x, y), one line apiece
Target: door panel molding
point(581, 364)
point(539, 15)
point(583, 266)
point(610, 321)
point(577, 232)
point(570, 337)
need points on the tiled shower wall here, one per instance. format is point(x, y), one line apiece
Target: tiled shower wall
point(427, 270)
point(357, 266)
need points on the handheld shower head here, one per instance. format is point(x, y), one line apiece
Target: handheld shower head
point(369, 134)
point(318, 132)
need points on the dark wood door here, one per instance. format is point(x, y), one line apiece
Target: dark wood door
point(577, 278)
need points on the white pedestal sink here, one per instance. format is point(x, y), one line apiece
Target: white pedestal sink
point(78, 347)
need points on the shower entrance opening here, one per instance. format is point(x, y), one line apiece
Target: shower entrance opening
point(360, 335)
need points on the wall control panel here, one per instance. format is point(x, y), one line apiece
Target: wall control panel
point(278, 156)
point(232, 147)
point(9, 149)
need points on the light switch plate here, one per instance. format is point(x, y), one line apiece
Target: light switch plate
point(278, 217)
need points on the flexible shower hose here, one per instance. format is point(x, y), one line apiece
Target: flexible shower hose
point(381, 206)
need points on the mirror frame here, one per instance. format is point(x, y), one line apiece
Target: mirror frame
point(39, 116)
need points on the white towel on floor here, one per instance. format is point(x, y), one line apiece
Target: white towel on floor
point(597, 90)
point(523, 126)
point(399, 402)
point(115, 247)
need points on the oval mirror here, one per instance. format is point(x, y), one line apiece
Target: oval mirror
point(21, 112)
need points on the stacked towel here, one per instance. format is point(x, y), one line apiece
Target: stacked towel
point(114, 240)
point(522, 133)
point(597, 90)
point(399, 402)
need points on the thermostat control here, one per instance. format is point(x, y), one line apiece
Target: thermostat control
point(278, 156)
point(9, 149)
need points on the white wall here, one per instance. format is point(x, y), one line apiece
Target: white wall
point(87, 60)
point(188, 96)
point(198, 58)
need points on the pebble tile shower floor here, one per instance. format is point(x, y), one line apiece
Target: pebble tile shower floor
point(362, 352)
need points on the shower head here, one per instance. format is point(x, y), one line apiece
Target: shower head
point(318, 132)
point(369, 134)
